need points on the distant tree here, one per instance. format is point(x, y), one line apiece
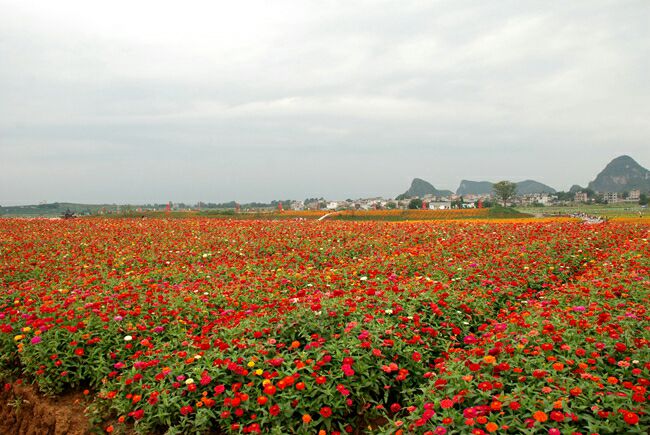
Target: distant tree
point(458, 203)
point(626, 195)
point(400, 197)
point(415, 203)
point(68, 214)
point(643, 199)
point(505, 190)
point(565, 196)
point(391, 205)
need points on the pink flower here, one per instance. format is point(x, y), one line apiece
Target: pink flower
point(37, 339)
point(470, 339)
point(205, 378)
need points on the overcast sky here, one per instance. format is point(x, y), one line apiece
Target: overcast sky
point(149, 101)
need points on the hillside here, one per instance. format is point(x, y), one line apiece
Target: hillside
point(532, 186)
point(420, 188)
point(468, 187)
point(622, 175)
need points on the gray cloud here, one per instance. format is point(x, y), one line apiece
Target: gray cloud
point(149, 102)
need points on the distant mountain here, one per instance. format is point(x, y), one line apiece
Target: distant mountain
point(622, 175)
point(532, 186)
point(420, 188)
point(576, 188)
point(468, 187)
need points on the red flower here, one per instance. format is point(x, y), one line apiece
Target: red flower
point(446, 403)
point(326, 411)
point(630, 418)
point(219, 389)
point(341, 389)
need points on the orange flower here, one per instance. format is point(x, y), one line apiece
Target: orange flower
point(540, 416)
point(491, 427)
point(496, 405)
point(306, 418)
point(575, 391)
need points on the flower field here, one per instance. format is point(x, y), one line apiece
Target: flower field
point(223, 326)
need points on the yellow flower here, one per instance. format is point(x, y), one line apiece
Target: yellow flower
point(259, 372)
point(18, 337)
point(251, 364)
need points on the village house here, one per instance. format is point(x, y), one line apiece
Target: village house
point(610, 197)
point(581, 197)
point(297, 205)
point(439, 205)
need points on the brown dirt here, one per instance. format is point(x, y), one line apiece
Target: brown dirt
point(23, 411)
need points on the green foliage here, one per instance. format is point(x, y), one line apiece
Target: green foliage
point(415, 203)
point(505, 190)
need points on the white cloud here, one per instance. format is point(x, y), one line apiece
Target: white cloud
point(461, 83)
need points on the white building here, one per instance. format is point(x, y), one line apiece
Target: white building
point(581, 197)
point(610, 197)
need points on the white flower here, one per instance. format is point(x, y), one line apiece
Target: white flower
point(363, 278)
point(128, 338)
point(388, 311)
point(189, 381)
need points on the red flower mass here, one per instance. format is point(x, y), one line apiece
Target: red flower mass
point(244, 326)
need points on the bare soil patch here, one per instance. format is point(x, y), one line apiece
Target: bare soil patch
point(23, 411)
